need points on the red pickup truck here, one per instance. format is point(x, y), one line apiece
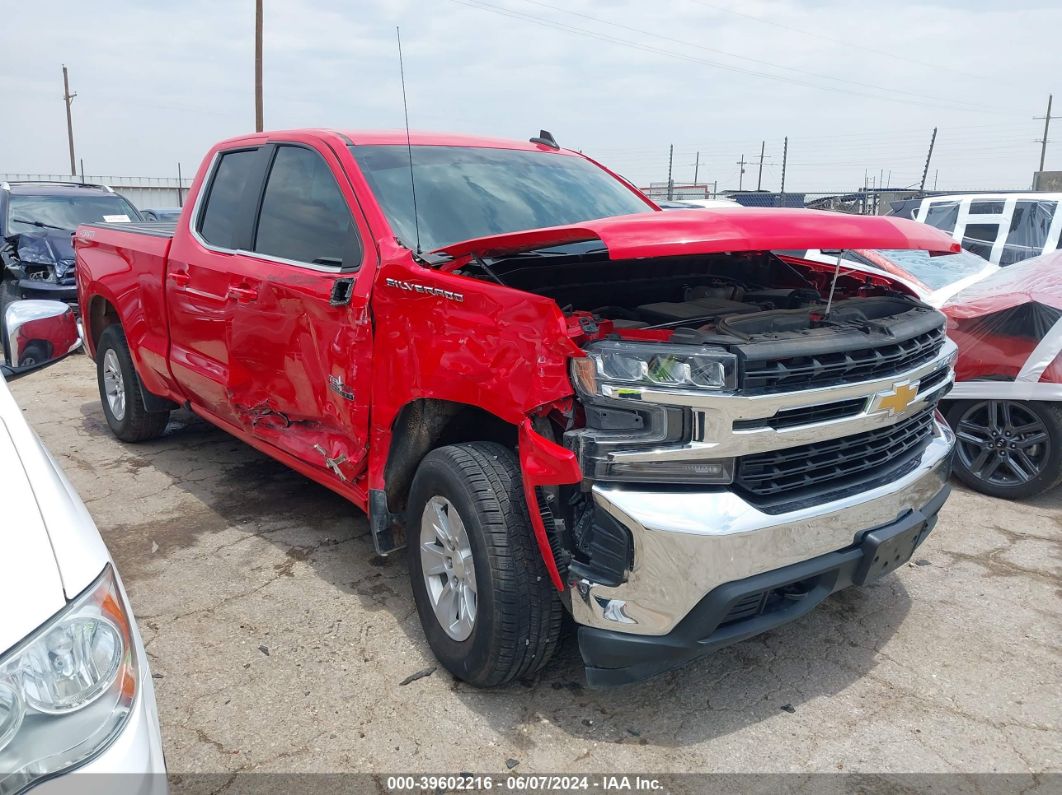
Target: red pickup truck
point(554, 395)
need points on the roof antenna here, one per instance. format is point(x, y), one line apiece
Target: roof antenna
point(409, 146)
point(833, 284)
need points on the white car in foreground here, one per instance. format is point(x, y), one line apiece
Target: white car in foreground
point(75, 690)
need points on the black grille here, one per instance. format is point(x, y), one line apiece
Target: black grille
point(932, 380)
point(805, 415)
point(804, 372)
point(836, 464)
point(762, 602)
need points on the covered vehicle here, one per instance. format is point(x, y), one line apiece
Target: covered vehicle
point(934, 278)
point(37, 221)
point(1001, 227)
point(1006, 407)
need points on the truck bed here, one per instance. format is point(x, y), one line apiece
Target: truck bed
point(125, 259)
point(154, 228)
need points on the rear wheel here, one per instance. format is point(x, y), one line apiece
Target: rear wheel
point(123, 402)
point(484, 597)
point(1007, 448)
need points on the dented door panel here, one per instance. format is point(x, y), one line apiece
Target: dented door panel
point(293, 378)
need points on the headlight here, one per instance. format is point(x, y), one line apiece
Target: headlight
point(622, 425)
point(616, 368)
point(67, 690)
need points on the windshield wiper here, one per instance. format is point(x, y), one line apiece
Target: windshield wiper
point(40, 224)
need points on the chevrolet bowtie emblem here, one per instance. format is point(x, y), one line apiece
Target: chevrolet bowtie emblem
point(898, 399)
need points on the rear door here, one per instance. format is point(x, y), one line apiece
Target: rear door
point(205, 272)
point(299, 333)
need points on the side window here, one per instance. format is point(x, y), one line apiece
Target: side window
point(942, 215)
point(979, 238)
point(1029, 228)
point(304, 217)
point(220, 223)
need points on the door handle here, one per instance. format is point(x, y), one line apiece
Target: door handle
point(242, 294)
point(180, 278)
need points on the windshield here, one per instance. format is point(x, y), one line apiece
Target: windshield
point(469, 192)
point(66, 211)
point(939, 271)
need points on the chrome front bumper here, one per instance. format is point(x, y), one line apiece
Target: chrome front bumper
point(688, 543)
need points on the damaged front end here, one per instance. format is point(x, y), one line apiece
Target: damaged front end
point(40, 265)
point(735, 415)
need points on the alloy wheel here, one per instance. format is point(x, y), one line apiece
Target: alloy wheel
point(448, 568)
point(114, 384)
point(1002, 442)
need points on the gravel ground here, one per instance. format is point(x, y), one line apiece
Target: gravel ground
point(280, 643)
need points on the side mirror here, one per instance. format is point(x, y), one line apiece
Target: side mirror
point(36, 334)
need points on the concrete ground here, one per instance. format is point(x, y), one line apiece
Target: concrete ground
point(280, 643)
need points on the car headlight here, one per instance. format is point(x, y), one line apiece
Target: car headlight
point(616, 368)
point(67, 690)
point(613, 380)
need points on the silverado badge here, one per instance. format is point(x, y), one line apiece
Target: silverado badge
point(898, 399)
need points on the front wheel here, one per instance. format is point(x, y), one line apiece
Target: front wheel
point(484, 597)
point(1007, 448)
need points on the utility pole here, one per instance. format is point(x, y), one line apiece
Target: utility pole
point(696, 168)
point(1047, 126)
point(935, 175)
point(180, 186)
point(741, 173)
point(925, 171)
point(69, 98)
point(759, 177)
point(258, 123)
point(670, 184)
point(785, 154)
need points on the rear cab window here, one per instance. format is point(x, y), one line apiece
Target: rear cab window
point(221, 222)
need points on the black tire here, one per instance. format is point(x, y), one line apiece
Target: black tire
point(137, 424)
point(37, 352)
point(971, 421)
point(518, 613)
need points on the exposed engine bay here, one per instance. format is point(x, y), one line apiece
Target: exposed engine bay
point(721, 299)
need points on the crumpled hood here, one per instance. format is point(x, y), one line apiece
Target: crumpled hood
point(684, 232)
point(31, 589)
point(47, 247)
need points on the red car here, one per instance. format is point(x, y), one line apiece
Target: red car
point(555, 395)
point(1006, 406)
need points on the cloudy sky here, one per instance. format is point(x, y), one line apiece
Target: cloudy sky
point(857, 87)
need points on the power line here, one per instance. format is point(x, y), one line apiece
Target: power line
point(537, 20)
point(738, 56)
point(863, 47)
